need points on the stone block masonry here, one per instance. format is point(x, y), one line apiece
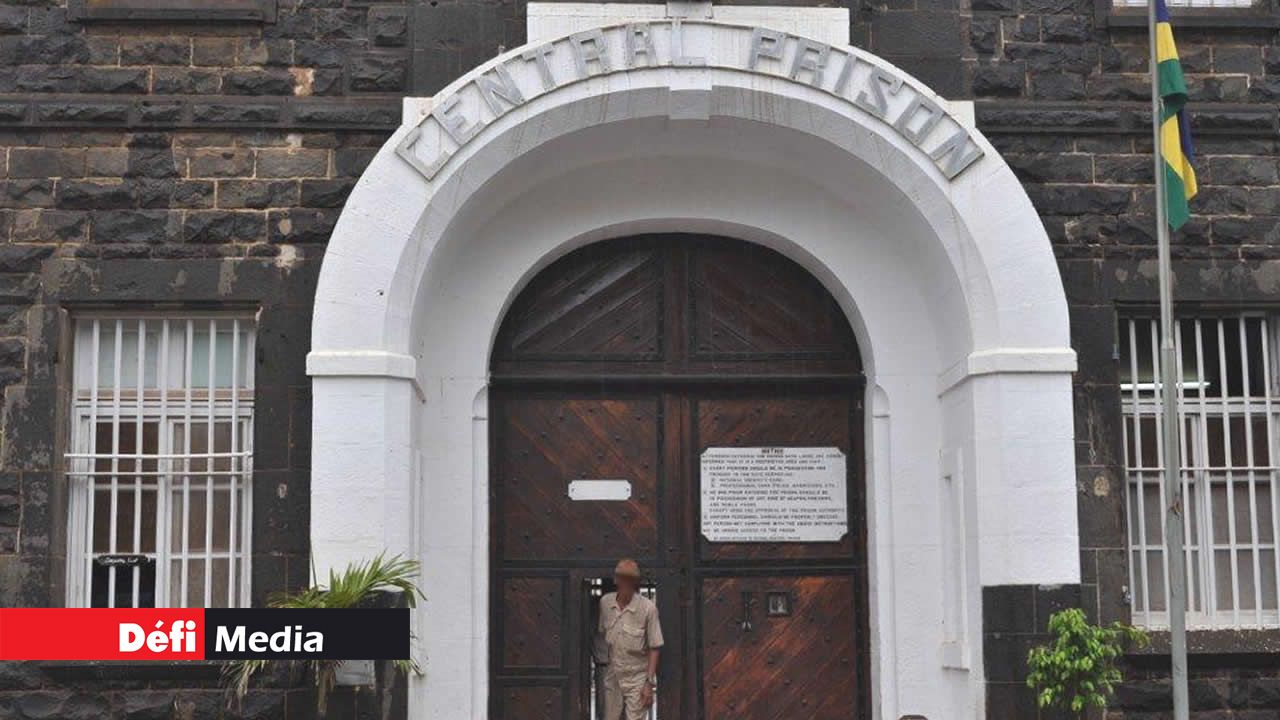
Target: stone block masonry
point(305, 69)
point(110, 194)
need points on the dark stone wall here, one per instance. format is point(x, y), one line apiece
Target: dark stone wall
point(1014, 618)
point(167, 219)
point(178, 164)
point(1239, 686)
point(1060, 89)
point(204, 161)
point(319, 63)
point(1099, 288)
point(134, 219)
point(189, 691)
point(1232, 675)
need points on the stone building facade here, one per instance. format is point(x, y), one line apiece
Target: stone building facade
point(198, 158)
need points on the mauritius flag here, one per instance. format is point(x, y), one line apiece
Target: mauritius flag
point(1175, 129)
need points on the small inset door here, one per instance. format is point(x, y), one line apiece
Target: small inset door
point(777, 645)
point(621, 371)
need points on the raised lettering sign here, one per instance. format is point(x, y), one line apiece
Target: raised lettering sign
point(844, 72)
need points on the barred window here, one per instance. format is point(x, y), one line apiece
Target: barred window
point(1227, 410)
point(160, 462)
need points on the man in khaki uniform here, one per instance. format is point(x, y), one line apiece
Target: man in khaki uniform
point(630, 628)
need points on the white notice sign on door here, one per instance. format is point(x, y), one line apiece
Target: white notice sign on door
point(774, 494)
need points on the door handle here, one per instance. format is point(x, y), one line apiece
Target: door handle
point(747, 603)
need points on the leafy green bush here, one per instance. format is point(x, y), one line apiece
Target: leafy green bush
point(1077, 669)
point(356, 586)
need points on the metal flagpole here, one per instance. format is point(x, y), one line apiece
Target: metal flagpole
point(1169, 403)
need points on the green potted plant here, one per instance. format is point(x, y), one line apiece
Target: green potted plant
point(1077, 669)
point(359, 585)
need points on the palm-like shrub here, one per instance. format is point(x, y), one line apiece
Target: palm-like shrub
point(356, 586)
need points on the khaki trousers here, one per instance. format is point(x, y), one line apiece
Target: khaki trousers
point(601, 672)
point(622, 695)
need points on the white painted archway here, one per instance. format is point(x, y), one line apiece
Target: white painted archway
point(949, 283)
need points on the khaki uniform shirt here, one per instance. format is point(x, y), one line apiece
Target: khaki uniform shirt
point(630, 632)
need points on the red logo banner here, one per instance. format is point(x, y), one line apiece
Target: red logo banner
point(101, 634)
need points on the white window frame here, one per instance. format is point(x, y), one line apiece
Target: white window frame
point(1142, 401)
point(173, 401)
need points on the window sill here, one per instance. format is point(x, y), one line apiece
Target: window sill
point(1211, 643)
point(131, 669)
point(1254, 18)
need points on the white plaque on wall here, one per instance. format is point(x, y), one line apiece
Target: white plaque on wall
point(774, 494)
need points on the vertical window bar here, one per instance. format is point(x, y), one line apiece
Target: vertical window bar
point(91, 480)
point(137, 460)
point(246, 523)
point(115, 459)
point(209, 468)
point(1186, 474)
point(1129, 495)
point(1208, 548)
point(1139, 454)
point(188, 377)
point(1255, 549)
point(234, 464)
point(1227, 451)
point(1196, 452)
point(1161, 396)
point(164, 467)
point(1140, 476)
point(1267, 387)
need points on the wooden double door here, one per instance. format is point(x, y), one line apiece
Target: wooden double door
point(625, 362)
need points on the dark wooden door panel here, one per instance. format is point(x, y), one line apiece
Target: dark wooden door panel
point(752, 302)
point(548, 440)
point(670, 305)
point(783, 418)
point(531, 702)
point(534, 615)
point(804, 665)
point(590, 305)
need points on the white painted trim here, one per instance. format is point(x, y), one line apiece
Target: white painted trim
point(361, 363)
point(1008, 360)
point(964, 111)
point(414, 110)
point(985, 362)
point(366, 364)
point(480, 552)
point(956, 653)
point(882, 593)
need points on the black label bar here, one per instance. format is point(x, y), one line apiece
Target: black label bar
point(306, 634)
